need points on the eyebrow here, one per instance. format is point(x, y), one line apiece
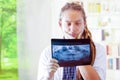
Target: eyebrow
point(75, 21)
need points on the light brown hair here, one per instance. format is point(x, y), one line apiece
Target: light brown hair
point(86, 34)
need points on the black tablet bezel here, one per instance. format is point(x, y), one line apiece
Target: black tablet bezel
point(71, 42)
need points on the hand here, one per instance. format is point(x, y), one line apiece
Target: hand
point(89, 73)
point(52, 67)
point(78, 74)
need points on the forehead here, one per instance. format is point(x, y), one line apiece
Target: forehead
point(72, 15)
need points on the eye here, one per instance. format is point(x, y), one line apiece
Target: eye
point(77, 23)
point(68, 23)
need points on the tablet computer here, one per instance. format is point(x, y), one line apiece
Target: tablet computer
point(71, 52)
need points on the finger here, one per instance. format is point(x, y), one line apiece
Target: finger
point(54, 61)
point(54, 64)
point(79, 35)
point(51, 61)
point(52, 68)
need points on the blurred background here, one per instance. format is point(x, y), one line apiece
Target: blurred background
point(27, 26)
point(8, 41)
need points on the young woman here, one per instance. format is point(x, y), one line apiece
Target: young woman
point(73, 24)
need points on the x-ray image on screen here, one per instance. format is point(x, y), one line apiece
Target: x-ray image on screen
point(71, 52)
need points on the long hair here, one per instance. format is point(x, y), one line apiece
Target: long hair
point(86, 34)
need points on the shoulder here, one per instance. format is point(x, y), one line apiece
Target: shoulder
point(46, 53)
point(46, 50)
point(100, 47)
point(100, 60)
point(100, 53)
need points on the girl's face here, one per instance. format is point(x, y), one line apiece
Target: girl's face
point(72, 24)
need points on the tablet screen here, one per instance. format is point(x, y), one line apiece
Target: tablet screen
point(71, 52)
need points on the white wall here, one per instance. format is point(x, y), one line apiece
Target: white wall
point(34, 33)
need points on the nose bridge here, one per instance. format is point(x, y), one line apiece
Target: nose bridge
point(72, 27)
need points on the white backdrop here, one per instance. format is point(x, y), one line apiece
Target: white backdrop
point(34, 33)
